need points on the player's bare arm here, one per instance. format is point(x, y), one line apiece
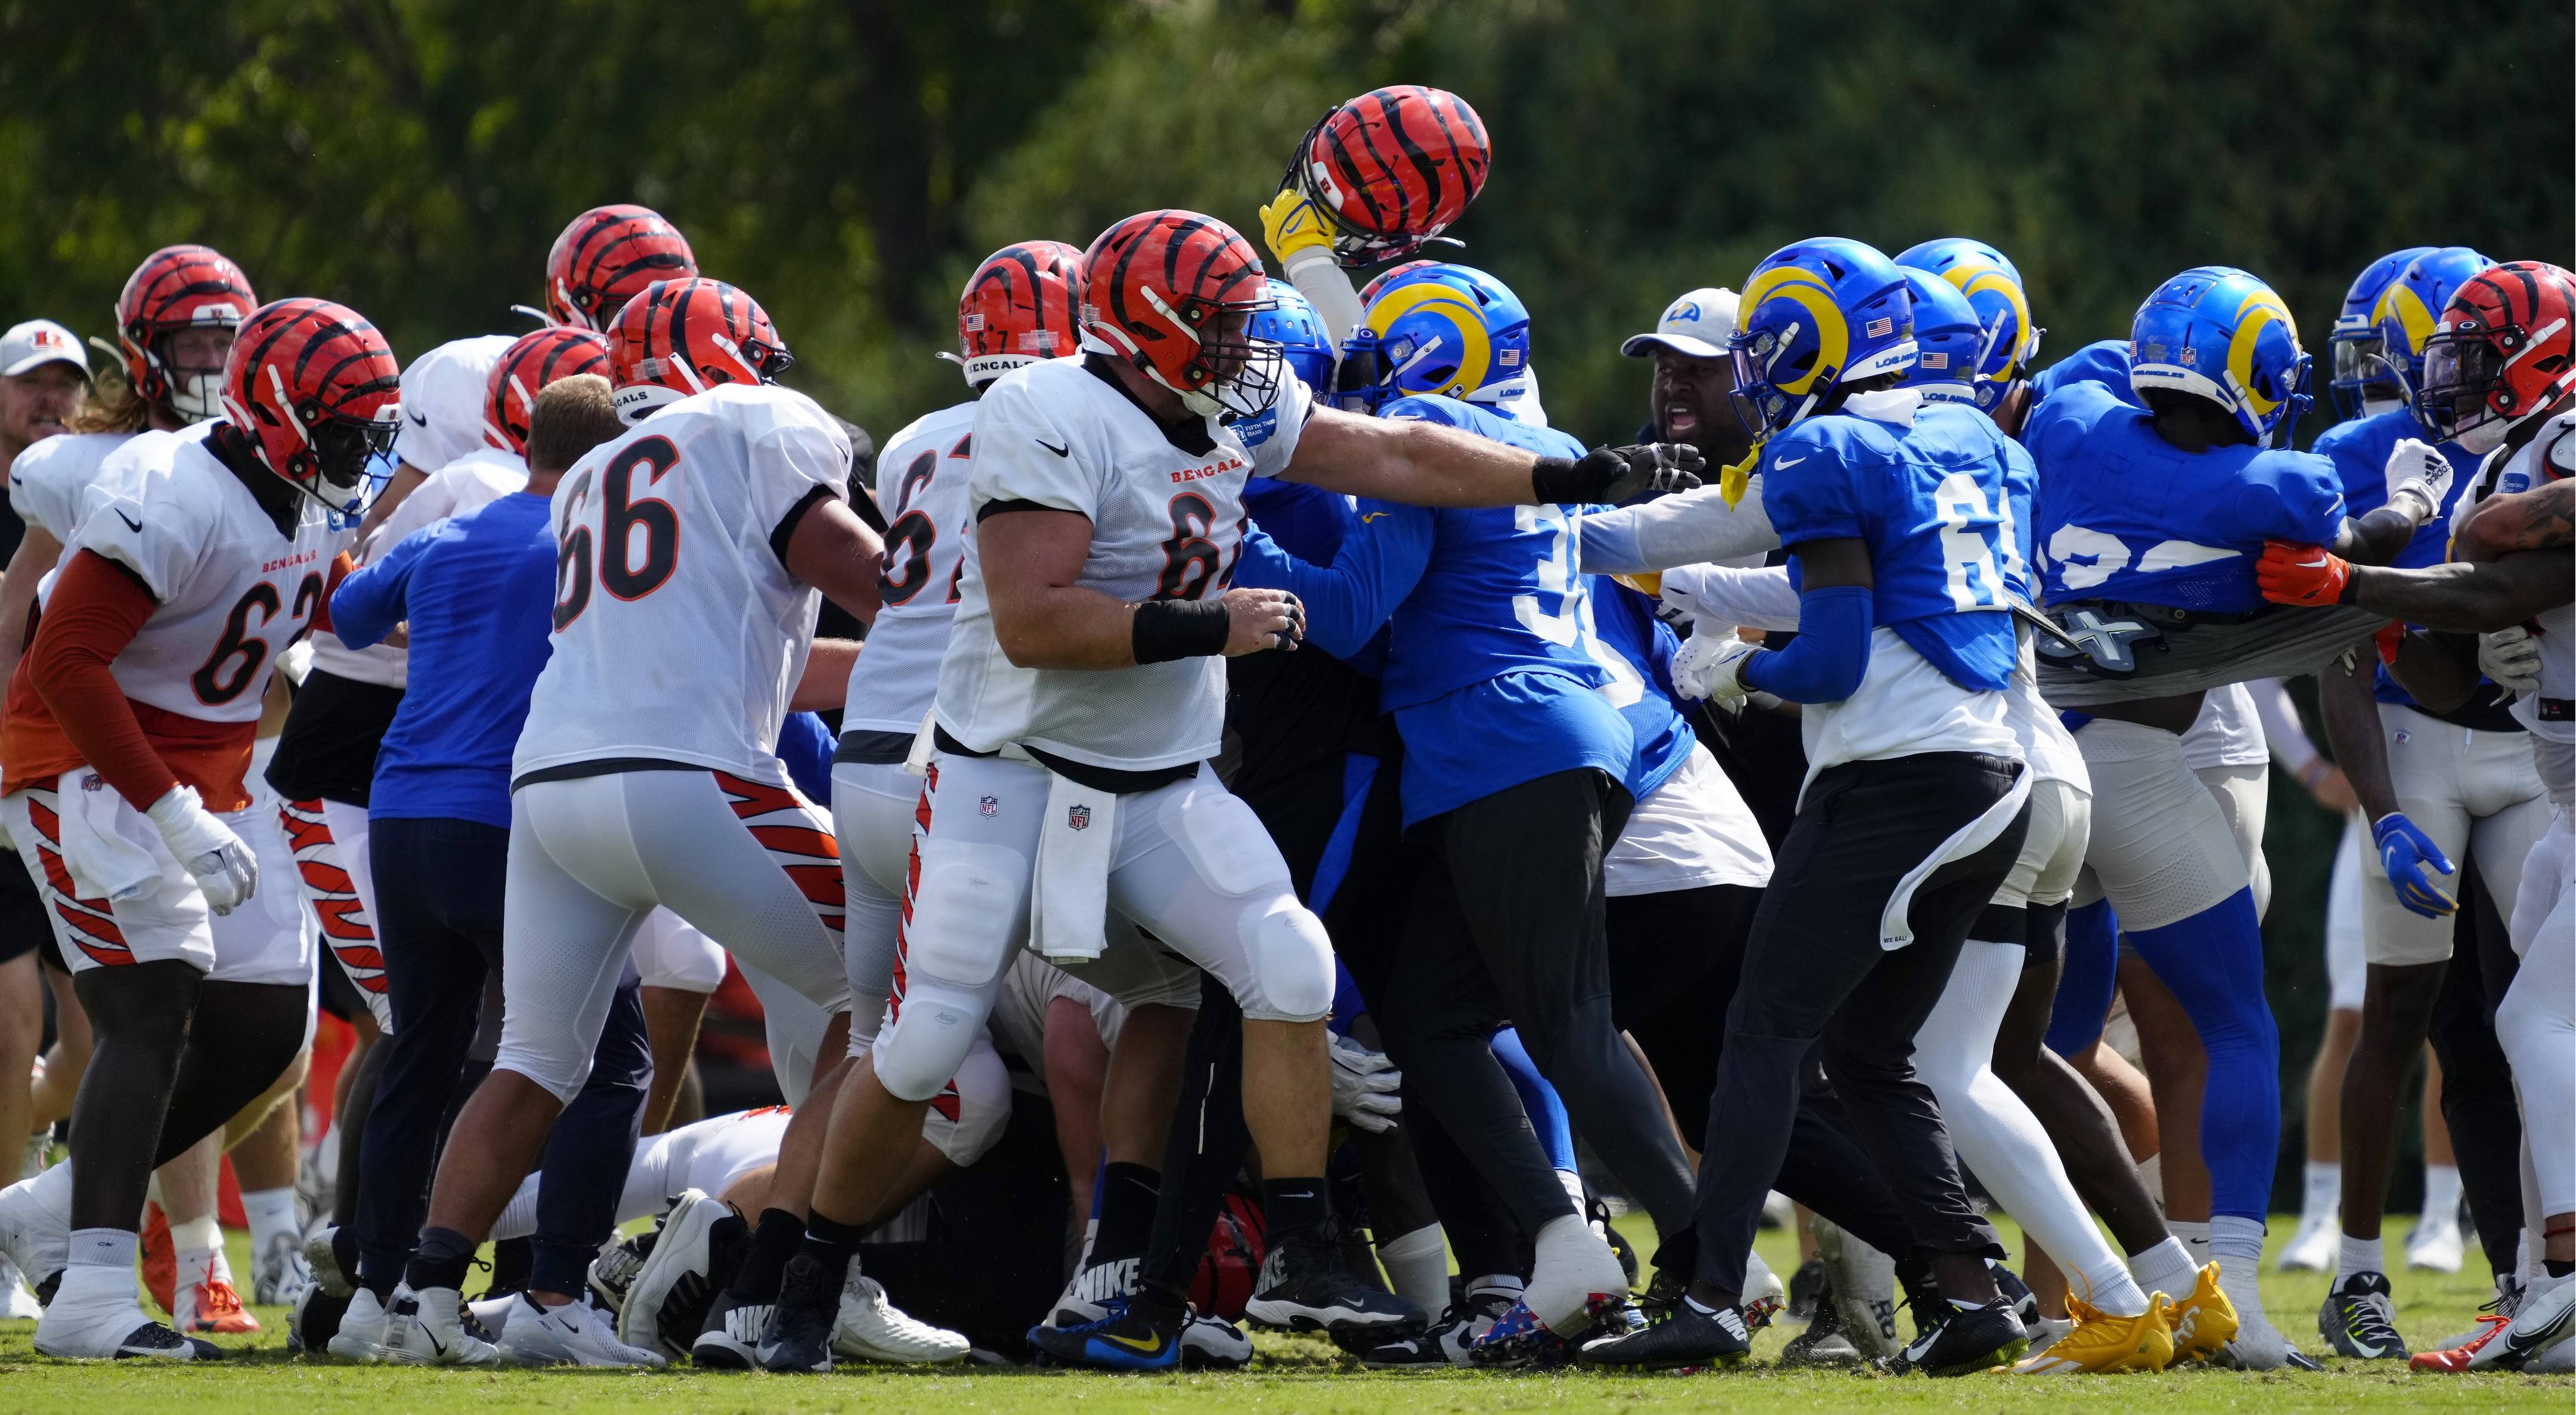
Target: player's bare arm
point(2540, 519)
point(1042, 619)
point(835, 552)
point(1423, 464)
point(826, 682)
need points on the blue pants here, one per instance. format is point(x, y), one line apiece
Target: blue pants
point(2086, 980)
point(439, 887)
point(2213, 962)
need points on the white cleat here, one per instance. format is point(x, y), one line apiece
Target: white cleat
point(17, 1303)
point(678, 1266)
point(96, 1317)
point(2311, 1249)
point(574, 1334)
point(2542, 1326)
point(870, 1328)
point(1572, 1267)
point(428, 1329)
point(1087, 1297)
point(361, 1337)
point(282, 1273)
point(36, 1223)
point(1213, 1343)
point(2436, 1246)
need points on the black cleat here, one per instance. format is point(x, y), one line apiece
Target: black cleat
point(1965, 1341)
point(2025, 1303)
point(1689, 1336)
point(2358, 1319)
point(1305, 1287)
point(798, 1337)
point(729, 1339)
point(1128, 1340)
point(1805, 1286)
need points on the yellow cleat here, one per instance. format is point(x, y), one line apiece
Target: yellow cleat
point(2205, 1321)
point(2102, 1343)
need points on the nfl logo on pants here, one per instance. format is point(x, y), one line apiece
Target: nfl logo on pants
point(1078, 817)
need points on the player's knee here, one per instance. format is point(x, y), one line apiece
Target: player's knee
point(933, 1028)
point(983, 1094)
point(1291, 961)
point(966, 912)
point(560, 1072)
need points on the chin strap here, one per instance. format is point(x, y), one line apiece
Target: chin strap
point(1733, 480)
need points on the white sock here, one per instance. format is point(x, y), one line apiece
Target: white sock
point(2166, 1268)
point(2526, 1265)
point(197, 1267)
point(2236, 1245)
point(1417, 1265)
point(199, 1234)
point(2237, 1239)
point(104, 1248)
point(2325, 1193)
point(2356, 1255)
point(2441, 1196)
point(1573, 1185)
point(271, 1212)
point(2195, 1240)
point(2108, 1286)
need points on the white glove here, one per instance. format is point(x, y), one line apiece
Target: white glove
point(2511, 657)
point(1365, 1086)
point(1707, 667)
point(2417, 469)
point(206, 848)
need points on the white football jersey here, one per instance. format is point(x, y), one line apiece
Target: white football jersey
point(2549, 456)
point(470, 482)
point(1166, 523)
point(678, 633)
point(921, 488)
point(234, 592)
point(47, 480)
point(443, 396)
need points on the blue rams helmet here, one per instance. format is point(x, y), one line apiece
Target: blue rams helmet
point(2404, 314)
point(1442, 328)
point(1293, 325)
point(1815, 316)
point(1994, 289)
point(2358, 373)
point(2218, 333)
point(1948, 337)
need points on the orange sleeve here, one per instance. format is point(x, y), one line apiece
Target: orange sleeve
point(341, 566)
point(96, 610)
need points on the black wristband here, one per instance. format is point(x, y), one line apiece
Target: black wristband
point(1166, 629)
point(1553, 482)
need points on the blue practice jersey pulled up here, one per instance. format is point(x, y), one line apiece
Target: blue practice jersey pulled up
point(1930, 501)
point(2104, 361)
point(2126, 515)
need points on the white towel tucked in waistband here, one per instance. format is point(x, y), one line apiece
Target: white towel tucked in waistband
point(1069, 910)
point(1895, 930)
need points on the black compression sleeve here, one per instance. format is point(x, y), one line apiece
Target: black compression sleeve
point(1166, 629)
point(1552, 482)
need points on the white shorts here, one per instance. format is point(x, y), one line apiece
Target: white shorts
point(270, 939)
point(336, 874)
point(1690, 832)
point(2476, 794)
point(751, 864)
point(2163, 847)
point(1188, 862)
point(794, 1025)
point(2244, 796)
point(2052, 854)
point(1029, 991)
point(671, 954)
point(2346, 976)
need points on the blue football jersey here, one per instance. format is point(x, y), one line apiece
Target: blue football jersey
point(2104, 361)
point(2359, 450)
point(1931, 502)
point(2126, 515)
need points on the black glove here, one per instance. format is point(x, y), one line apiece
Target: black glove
point(1618, 474)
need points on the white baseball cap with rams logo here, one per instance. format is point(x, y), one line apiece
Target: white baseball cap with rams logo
point(38, 342)
point(1698, 325)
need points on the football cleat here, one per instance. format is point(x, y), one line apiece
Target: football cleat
point(314, 1320)
point(159, 1257)
point(1305, 1287)
point(1519, 1339)
point(2435, 1246)
point(1213, 1344)
point(1965, 1340)
point(798, 1336)
point(574, 1334)
point(2312, 1248)
point(2455, 1357)
point(360, 1336)
point(730, 1338)
point(429, 1329)
point(1691, 1337)
point(323, 1259)
point(870, 1328)
point(282, 1274)
point(2047, 1331)
point(17, 1304)
point(1823, 1343)
point(1092, 1292)
point(2542, 1324)
point(2204, 1321)
point(2505, 1303)
point(1805, 1285)
point(2359, 1320)
point(663, 1305)
point(2100, 1343)
point(614, 1270)
point(2025, 1303)
point(35, 1226)
point(213, 1306)
point(94, 1317)
point(1127, 1340)
point(1446, 1341)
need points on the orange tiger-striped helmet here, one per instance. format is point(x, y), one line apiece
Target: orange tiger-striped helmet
point(680, 337)
point(175, 288)
point(316, 390)
point(1174, 293)
point(1018, 308)
point(526, 367)
point(606, 257)
point(1391, 169)
point(2504, 351)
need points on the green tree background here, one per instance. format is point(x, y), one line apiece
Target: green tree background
point(848, 161)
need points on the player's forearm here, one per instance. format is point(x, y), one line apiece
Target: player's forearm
point(2466, 598)
point(826, 684)
point(2539, 519)
point(2351, 712)
point(36, 554)
point(2375, 537)
point(1416, 463)
point(1065, 626)
point(2440, 671)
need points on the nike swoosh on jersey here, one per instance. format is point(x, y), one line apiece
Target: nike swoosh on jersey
point(1051, 447)
point(420, 419)
point(131, 524)
point(1368, 516)
point(1788, 461)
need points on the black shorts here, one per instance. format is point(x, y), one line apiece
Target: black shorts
point(24, 926)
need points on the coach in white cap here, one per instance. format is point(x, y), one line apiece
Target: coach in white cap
point(1694, 378)
point(43, 372)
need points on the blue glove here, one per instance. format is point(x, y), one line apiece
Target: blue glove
point(2405, 853)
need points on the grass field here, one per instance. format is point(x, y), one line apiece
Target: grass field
point(1294, 1376)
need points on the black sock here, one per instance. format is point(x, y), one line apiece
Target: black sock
point(1127, 1195)
point(830, 1243)
point(772, 1244)
point(2555, 1268)
point(1293, 1208)
point(1156, 1304)
point(441, 1260)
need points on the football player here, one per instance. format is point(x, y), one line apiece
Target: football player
point(206, 556)
point(1080, 694)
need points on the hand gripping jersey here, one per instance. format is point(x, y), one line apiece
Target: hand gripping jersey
point(679, 634)
point(233, 593)
point(1928, 497)
point(1166, 513)
point(2359, 451)
point(921, 488)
